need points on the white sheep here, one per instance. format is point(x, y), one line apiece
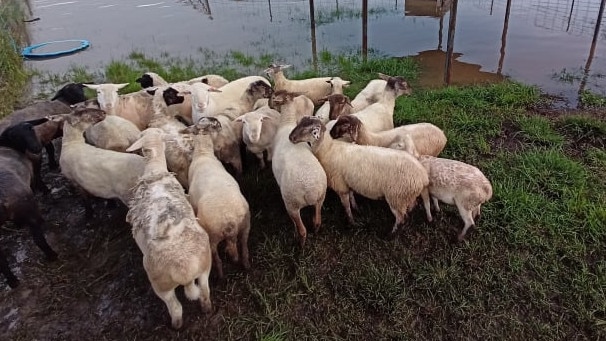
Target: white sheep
point(178, 147)
point(300, 176)
point(216, 198)
point(113, 133)
point(313, 88)
point(152, 79)
point(373, 172)
point(428, 139)
point(135, 107)
point(379, 115)
point(231, 100)
point(99, 172)
point(176, 249)
point(258, 131)
point(454, 183)
point(337, 84)
point(372, 93)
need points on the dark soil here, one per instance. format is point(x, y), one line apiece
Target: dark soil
point(98, 289)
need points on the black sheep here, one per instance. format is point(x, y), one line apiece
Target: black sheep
point(17, 202)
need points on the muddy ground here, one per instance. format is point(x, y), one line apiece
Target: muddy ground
point(98, 289)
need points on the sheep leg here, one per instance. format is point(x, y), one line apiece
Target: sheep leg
point(476, 212)
point(467, 218)
point(11, 280)
point(345, 201)
point(261, 159)
point(436, 204)
point(318, 215)
point(243, 239)
point(352, 201)
point(34, 222)
point(231, 246)
point(50, 152)
point(37, 183)
point(399, 219)
point(426, 204)
point(217, 263)
point(175, 310)
point(205, 302)
point(86, 201)
point(295, 215)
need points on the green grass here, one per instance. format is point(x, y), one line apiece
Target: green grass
point(13, 76)
point(535, 268)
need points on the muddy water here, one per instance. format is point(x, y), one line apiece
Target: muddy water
point(543, 42)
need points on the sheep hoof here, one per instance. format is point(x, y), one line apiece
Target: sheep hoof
point(429, 219)
point(177, 324)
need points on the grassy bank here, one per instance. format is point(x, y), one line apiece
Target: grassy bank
point(13, 76)
point(534, 270)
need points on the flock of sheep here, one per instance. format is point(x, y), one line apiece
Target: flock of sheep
point(183, 188)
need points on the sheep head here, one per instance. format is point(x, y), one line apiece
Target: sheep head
point(206, 125)
point(22, 137)
point(150, 142)
point(172, 96)
point(252, 124)
point(397, 84)
point(337, 84)
point(85, 116)
point(71, 93)
point(200, 95)
point(107, 94)
point(346, 125)
point(259, 89)
point(338, 106)
point(146, 81)
point(275, 68)
point(310, 129)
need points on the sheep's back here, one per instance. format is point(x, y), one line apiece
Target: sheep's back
point(428, 139)
point(34, 111)
point(16, 173)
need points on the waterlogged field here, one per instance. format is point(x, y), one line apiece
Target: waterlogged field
point(533, 270)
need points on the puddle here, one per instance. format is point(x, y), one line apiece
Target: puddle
point(542, 42)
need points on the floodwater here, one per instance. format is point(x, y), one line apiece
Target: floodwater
point(542, 42)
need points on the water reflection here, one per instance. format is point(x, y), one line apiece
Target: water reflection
point(594, 42)
point(534, 41)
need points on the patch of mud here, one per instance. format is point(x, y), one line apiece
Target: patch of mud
point(510, 138)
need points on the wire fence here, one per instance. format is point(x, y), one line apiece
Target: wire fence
point(576, 17)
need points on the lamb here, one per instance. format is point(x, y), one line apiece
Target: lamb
point(152, 79)
point(371, 171)
point(313, 88)
point(178, 148)
point(175, 247)
point(300, 176)
point(455, 183)
point(428, 139)
point(135, 107)
point(17, 202)
point(337, 84)
point(216, 198)
point(372, 93)
point(379, 116)
point(69, 94)
point(258, 131)
point(113, 133)
point(100, 172)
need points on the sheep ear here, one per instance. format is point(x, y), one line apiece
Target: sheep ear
point(384, 76)
point(151, 91)
point(56, 118)
point(92, 86)
point(265, 117)
point(353, 131)
point(136, 145)
point(346, 84)
point(213, 89)
point(315, 132)
point(239, 119)
point(286, 66)
point(120, 86)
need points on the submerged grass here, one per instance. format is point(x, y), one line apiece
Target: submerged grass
point(535, 268)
